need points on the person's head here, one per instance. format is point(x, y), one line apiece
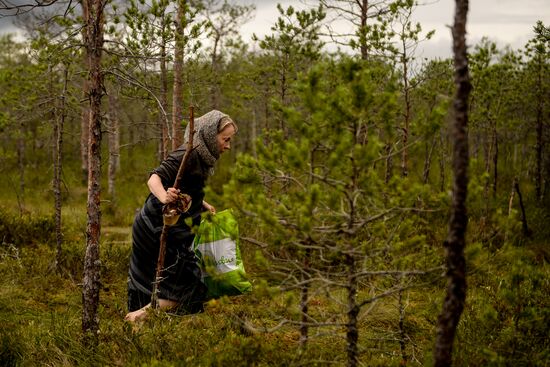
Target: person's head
point(226, 130)
point(213, 133)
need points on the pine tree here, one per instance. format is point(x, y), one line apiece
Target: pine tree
point(453, 305)
point(320, 202)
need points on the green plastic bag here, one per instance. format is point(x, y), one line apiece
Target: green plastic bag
point(216, 245)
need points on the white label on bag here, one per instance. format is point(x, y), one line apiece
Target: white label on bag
point(221, 254)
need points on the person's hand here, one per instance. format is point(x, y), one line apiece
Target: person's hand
point(172, 195)
point(209, 207)
point(136, 316)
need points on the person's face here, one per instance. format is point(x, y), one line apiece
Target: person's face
point(224, 138)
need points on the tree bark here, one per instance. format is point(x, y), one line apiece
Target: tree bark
point(21, 159)
point(215, 94)
point(363, 37)
point(456, 264)
point(442, 165)
point(304, 300)
point(352, 333)
point(526, 230)
point(177, 98)
point(495, 159)
point(114, 144)
point(389, 163)
point(539, 147)
point(428, 161)
point(163, 120)
point(402, 334)
point(57, 168)
point(91, 282)
point(407, 116)
point(85, 111)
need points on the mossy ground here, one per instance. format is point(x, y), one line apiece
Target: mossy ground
point(504, 323)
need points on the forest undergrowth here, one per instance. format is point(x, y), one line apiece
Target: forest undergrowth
point(504, 323)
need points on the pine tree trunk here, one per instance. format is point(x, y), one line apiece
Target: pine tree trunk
point(402, 334)
point(352, 333)
point(363, 39)
point(456, 264)
point(91, 281)
point(525, 227)
point(539, 144)
point(406, 127)
point(389, 163)
point(84, 136)
point(177, 98)
point(428, 161)
point(304, 301)
point(163, 119)
point(85, 111)
point(57, 168)
point(254, 133)
point(21, 159)
point(495, 160)
point(442, 165)
point(488, 150)
point(215, 94)
point(114, 144)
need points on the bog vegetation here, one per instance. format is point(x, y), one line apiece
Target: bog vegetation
point(341, 178)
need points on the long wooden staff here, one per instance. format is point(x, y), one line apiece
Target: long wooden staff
point(171, 212)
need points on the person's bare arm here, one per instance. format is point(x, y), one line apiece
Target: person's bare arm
point(208, 207)
point(156, 188)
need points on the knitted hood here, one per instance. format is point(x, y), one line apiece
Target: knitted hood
point(204, 140)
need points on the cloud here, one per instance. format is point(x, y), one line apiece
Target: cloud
point(503, 21)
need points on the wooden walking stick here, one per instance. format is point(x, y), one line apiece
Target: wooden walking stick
point(172, 211)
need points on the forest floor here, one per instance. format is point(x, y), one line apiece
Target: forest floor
point(504, 323)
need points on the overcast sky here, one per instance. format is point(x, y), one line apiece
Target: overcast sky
point(507, 22)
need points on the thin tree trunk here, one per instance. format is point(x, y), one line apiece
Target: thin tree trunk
point(84, 136)
point(363, 37)
point(57, 168)
point(163, 123)
point(442, 165)
point(406, 92)
point(114, 144)
point(389, 163)
point(495, 160)
point(254, 132)
point(214, 95)
point(539, 144)
point(487, 152)
point(85, 109)
point(428, 161)
point(284, 71)
point(454, 245)
point(21, 159)
point(352, 333)
point(510, 206)
point(91, 281)
point(177, 98)
point(475, 139)
point(526, 230)
point(402, 334)
point(304, 300)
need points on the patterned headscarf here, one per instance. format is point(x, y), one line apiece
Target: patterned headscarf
point(204, 140)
